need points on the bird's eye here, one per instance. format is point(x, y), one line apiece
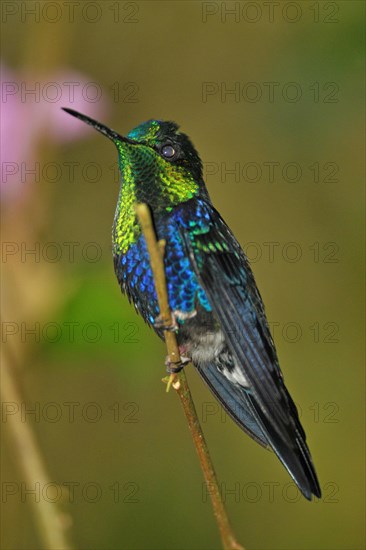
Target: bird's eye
point(168, 151)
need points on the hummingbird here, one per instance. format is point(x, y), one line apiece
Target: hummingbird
point(217, 312)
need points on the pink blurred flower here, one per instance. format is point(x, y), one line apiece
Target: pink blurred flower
point(31, 112)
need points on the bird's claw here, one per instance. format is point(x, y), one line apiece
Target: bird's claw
point(166, 324)
point(172, 324)
point(173, 367)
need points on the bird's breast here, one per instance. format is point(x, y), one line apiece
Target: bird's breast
point(136, 279)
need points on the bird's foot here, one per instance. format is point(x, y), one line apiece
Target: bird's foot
point(172, 324)
point(166, 324)
point(173, 367)
point(184, 315)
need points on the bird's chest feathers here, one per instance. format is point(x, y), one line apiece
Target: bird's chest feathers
point(126, 230)
point(136, 279)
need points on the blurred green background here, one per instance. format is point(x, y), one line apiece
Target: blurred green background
point(297, 73)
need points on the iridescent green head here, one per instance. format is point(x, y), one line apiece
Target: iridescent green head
point(158, 164)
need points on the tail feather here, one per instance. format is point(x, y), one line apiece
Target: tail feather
point(296, 459)
point(243, 409)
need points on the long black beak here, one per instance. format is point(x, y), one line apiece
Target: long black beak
point(111, 134)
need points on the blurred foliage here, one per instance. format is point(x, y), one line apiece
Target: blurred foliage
point(140, 443)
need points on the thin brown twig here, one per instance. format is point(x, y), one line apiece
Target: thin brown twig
point(179, 380)
point(52, 522)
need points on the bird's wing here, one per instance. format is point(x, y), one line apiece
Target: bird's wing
point(233, 399)
point(226, 277)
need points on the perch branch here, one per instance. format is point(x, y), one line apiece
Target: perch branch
point(179, 380)
point(52, 522)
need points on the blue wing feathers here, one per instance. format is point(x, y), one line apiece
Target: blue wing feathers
point(226, 277)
